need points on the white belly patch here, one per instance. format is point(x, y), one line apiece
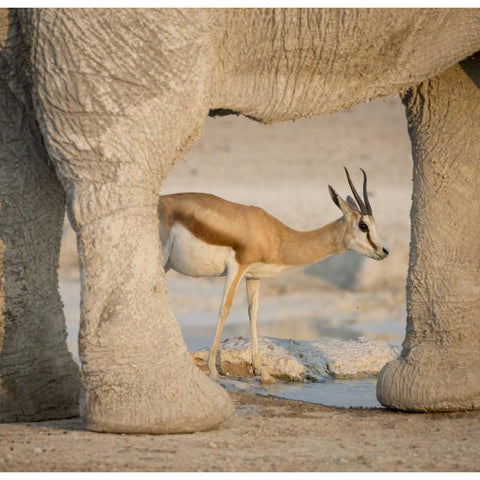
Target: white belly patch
point(191, 256)
point(264, 270)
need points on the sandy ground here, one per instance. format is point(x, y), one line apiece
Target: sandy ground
point(284, 168)
point(265, 434)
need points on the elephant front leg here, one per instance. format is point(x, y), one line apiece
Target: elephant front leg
point(439, 368)
point(139, 375)
point(119, 102)
point(38, 378)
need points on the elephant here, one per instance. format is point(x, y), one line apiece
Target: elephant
point(98, 105)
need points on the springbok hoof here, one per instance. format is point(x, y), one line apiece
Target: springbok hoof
point(267, 379)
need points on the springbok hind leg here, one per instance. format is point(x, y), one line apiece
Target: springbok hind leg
point(166, 250)
point(234, 275)
point(253, 286)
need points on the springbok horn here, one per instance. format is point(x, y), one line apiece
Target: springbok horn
point(365, 194)
point(363, 209)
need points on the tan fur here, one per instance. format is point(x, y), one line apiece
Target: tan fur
point(255, 235)
point(260, 246)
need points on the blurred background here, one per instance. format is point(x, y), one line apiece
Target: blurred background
point(286, 169)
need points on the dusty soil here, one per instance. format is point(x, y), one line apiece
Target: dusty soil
point(265, 434)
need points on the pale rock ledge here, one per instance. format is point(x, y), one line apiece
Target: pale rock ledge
point(297, 360)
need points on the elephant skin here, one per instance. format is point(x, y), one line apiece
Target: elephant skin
point(98, 105)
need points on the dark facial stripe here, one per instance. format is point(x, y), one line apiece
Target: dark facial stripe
point(370, 242)
point(368, 236)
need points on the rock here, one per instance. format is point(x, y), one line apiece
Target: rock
point(296, 360)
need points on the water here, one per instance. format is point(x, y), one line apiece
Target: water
point(334, 393)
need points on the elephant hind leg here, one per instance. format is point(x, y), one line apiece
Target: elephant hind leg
point(439, 369)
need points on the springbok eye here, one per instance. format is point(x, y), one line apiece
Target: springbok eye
point(363, 227)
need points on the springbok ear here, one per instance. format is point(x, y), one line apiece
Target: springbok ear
point(339, 201)
point(334, 196)
point(352, 204)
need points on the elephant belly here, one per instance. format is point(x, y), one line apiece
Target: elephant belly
point(194, 257)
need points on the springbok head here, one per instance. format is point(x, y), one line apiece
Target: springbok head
point(361, 234)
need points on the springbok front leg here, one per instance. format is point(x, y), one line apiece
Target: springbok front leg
point(253, 286)
point(235, 273)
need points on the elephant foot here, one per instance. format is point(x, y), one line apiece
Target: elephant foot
point(431, 379)
point(174, 398)
point(40, 388)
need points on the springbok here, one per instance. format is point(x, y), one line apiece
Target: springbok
point(203, 235)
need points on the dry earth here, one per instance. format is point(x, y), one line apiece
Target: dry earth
point(265, 434)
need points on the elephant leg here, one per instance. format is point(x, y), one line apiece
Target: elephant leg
point(118, 106)
point(38, 378)
point(439, 368)
point(139, 375)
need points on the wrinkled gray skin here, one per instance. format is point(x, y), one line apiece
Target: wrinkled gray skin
point(96, 107)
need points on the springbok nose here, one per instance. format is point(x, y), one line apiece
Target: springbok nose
point(385, 251)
